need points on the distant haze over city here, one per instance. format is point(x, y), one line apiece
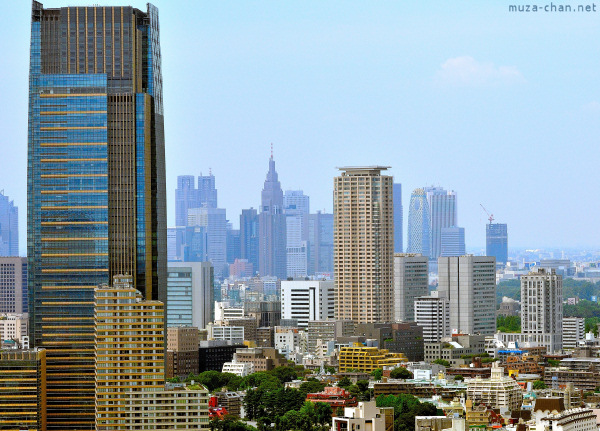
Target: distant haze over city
point(501, 107)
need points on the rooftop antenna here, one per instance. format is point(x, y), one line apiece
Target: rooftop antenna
point(210, 172)
point(271, 150)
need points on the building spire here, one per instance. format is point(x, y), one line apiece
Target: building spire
point(271, 150)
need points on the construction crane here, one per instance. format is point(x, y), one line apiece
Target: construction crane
point(490, 216)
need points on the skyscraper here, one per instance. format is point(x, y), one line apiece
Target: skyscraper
point(496, 241)
point(411, 280)
point(469, 284)
point(320, 243)
point(207, 193)
point(186, 197)
point(296, 207)
point(419, 224)
point(272, 227)
point(398, 219)
point(9, 227)
point(363, 244)
point(13, 285)
point(542, 308)
point(96, 183)
point(442, 212)
point(452, 241)
point(249, 234)
point(214, 220)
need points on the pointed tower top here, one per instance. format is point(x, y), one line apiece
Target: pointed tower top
point(271, 150)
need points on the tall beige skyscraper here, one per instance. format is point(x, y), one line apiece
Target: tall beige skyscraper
point(363, 244)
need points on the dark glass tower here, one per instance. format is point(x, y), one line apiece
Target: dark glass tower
point(96, 183)
point(496, 241)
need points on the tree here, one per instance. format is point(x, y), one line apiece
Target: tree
point(459, 377)
point(508, 324)
point(363, 385)
point(539, 384)
point(377, 373)
point(406, 407)
point(285, 374)
point(401, 373)
point(311, 387)
point(229, 423)
point(330, 370)
point(344, 382)
point(443, 362)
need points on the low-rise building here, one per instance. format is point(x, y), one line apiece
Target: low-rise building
point(366, 416)
point(241, 369)
point(235, 334)
point(559, 376)
point(498, 391)
point(453, 349)
point(320, 332)
point(261, 358)
point(182, 351)
point(367, 359)
point(213, 354)
point(13, 327)
point(231, 401)
point(335, 397)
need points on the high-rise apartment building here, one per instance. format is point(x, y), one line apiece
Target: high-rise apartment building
point(214, 220)
point(398, 218)
point(496, 241)
point(411, 281)
point(207, 192)
point(186, 197)
point(432, 313)
point(573, 331)
point(542, 308)
point(442, 211)
point(272, 252)
point(452, 241)
point(469, 283)
point(320, 243)
point(13, 285)
point(190, 295)
point(419, 224)
point(306, 300)
point(96, 183)
point(9, 226)
point(249, 234)
point(363, 244)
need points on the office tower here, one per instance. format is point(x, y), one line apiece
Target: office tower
point(296, 247)
point(190, 295)
point(207, 193)
point(364, 244)
point(419, 224)
point(214, 220)
point(442, 213)
point(496, 241)
point(411, 280)
point(186, 197)
point(320, 243)
point(452, 241)
point(573, 331)
point(305, 300)
point(176, 237)
point(195, 245)
point(96, 183)
point(241, 268)
point(13, 285)
point(398, 219)
point(23, 389)
point(321, 332)
point(272, 227)
point(9, 227)
point(296, 202)
point(249, 233)
point(542, 308)
point(469, 283)
point(433, 314)
point(234, 248)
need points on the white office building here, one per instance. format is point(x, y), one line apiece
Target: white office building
point(432, 313)
point(235, 334)
point(190, 294)
point(573, 331)
point(13, 327)
point(306, 300)
point(224, 311)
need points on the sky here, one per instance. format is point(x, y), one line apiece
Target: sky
point(502, 107)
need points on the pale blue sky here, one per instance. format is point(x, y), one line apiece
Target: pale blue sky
point(504, 108)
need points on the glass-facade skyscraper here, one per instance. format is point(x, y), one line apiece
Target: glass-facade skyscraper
point(496, 241)
point(442, 213)
point(9, 226)
point(96, 183)
point(419, 224)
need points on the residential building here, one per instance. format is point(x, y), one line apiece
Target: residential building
point(432, 313)
point(249, 324)
point(455, 349)
point(419, 224)
point(265, 336)
point(261, 358)
point(469, 283)
point(365, 417)
point(306, 300)
point(586, 380)
point(249, 237)
point(212, 354)
point(9, 226)
point(319, 332)
point(398, 218)
point(411, 281)
point(550, 414)
point(207, 193)
point(190, 294)
point(320, 244)
point(364, 244)
point(241, 369)
point(443, 214)
point(23, 391)
point(289, 340)
point(498, 392)
point(182, 351)
point(14, 297)
point(14, 327)
point(573, 331)
point(496, 241)
point(214, 220)
point(272, 227)
point(452, 241)
point(96, 202)
point(186, 197)
point(542, 308)
point(398, 337)
point(367, 359)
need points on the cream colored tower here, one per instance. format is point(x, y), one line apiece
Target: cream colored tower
point(363, 240)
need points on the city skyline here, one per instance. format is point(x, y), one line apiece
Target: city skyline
point(488, 125)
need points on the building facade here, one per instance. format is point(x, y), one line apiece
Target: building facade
point(542, 308)
point(214, 221)
point(452, 241)
point(573, 331)
point(496, 241)
point(411, 281)
point(320, 243)
point(306, 300)
point(96, 183)
point(14, 327)
point(249, 234)
point(9, 226)
point(419, 224)
point(363, 244)
point(498, 392)
point(469, 283)
point(14, 296)
point(442, 210)
point(432, 313)
point(320, 332)
point(190, 294)
point(186, 197)
point(398, 219)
